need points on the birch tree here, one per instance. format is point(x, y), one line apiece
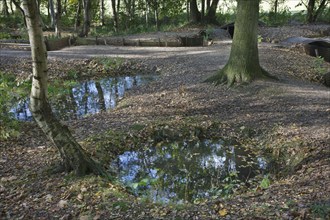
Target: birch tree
point(73, 155)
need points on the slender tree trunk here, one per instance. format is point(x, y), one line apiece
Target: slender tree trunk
point(73, 155)
point(52, 13)
point(157, 18)
point(188, 10)
point(11, 6)
point(147, 14)
point(115, 14)
point(102, 9)
point(203, 11)
point(58, 18)
point(275, 6)
point(118, 7)
point(195, 15)
point(100, 95)
point(17, 5)
point(243, 65)
point(5, 10)
point(87, 18)
point(77, 17)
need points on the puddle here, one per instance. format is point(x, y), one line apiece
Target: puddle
point(186, 171)
point(89, 97)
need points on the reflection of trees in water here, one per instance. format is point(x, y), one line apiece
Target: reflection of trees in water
point(100, 96)
point(184, 171)
point(87, 98)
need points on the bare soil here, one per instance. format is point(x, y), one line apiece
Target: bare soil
point(290, 116)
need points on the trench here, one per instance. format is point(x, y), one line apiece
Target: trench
point(85, 98)
point(187, 170)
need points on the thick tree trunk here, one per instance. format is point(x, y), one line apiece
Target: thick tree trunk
point(73, 155)
point(195, 15)
point(87, 18)
point(243, 65)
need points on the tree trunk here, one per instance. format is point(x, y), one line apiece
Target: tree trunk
point(310, 11)
point(147, 14)
point(115, 14)
point(77, 17)
point(211, 13)
point(208, 5)
point(87, 18)
point(321, 7)
point(52, 13)
point(5, 10)
point(17, 5)
point(73, 155)
point(203, 11)
point(243, 65)
point(102, 9)
point(195, 15)
point(58, 18)
point(188, 11)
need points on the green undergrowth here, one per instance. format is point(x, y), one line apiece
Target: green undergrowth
point(12, 91)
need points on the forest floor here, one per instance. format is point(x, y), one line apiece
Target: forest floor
point(288, 118)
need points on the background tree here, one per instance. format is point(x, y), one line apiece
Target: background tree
point(5, 10)
point(72, 154)
point(208, 16)
point(115, 8)
point(314, 9)
point(243, 64)
point(87, 18)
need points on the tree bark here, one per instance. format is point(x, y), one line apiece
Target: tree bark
point(72, 154)
point(243, 65)
point(310, 11)
point(5, 10)
point(203, 11)
point(17, 5)
point(77, 17)
point(115, 15)
point(58, 18)
point(52, 13)
point(195, 15)
point(87, 18)
point(102, 9)
point(321, 7)
point(211, 13)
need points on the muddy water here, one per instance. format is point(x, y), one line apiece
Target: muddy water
point(86, 98)
point(186, 171)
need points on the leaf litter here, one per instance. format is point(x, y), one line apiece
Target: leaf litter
point(283, 118)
